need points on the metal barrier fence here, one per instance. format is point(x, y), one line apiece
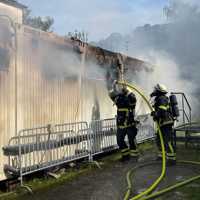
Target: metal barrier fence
point(45, 147)
point(49, 146)
point(104, 133)
point(145, 128)
point(103, 136)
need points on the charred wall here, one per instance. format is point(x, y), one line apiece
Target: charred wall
point(49, 80)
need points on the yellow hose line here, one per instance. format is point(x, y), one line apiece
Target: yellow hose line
point(165, 190)
point(158, 180)
point(177, 185)
point(189, 162)
point(128, 179)
point(129, 175)
point(153, 186)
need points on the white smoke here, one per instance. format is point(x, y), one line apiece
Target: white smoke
point(168, 72)
point(173, 49)
point(57, 62)
point(165, 71)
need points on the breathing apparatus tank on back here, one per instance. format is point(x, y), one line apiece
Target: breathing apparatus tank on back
point(174, 106)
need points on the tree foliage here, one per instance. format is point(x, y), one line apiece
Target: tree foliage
point(44, 24)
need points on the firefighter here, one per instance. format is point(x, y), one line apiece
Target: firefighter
point(164, 117)
point(126, 125)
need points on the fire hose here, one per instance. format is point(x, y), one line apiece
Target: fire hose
point(145, 195)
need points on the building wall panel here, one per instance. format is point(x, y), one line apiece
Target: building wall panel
point(49, 82)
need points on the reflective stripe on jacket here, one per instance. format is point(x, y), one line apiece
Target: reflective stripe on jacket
point(162, 111)
point(125, 109)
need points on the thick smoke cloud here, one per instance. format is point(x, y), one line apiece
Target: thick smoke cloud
point(179, 39)
point(173, 48)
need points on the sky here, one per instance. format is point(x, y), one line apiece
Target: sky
point(99, 18)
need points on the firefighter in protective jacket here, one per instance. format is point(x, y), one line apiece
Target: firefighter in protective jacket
point(125, 102)
point(164, 117)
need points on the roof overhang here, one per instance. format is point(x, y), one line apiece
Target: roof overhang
point(14, 4)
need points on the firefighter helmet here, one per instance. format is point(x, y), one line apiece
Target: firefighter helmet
point(160, 88)
point(125, 89)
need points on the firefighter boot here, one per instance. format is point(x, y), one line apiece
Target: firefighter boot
point(171, 159)
point(134, 155)
point(125, 156)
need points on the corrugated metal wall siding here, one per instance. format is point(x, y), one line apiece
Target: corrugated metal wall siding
point(94, 90)
point(44, 95)
point(7, 92)
point(7, 115)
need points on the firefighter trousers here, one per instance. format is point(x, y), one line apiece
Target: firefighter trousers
point(167, 133)
point(131, 132)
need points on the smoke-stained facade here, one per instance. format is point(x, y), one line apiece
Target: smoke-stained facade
point(46, 79)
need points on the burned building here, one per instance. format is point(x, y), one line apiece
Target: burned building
point(47, 79)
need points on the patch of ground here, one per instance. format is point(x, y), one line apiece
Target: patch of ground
point(109, 183)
